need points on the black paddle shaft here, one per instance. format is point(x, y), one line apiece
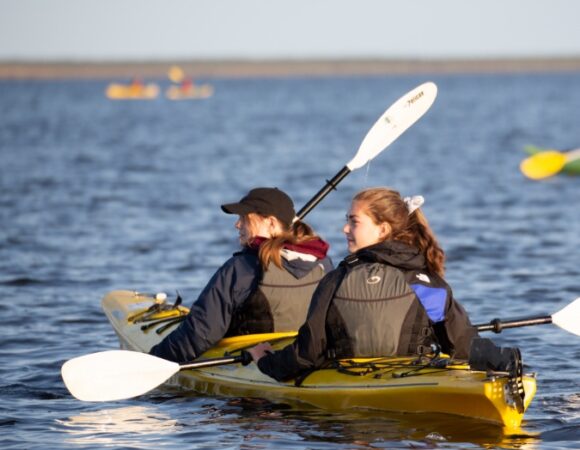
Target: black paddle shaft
point(496, 325)
point(329, 186)
point(244, 358)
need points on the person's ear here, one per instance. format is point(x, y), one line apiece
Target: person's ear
point(384, 230)
point(273, 224)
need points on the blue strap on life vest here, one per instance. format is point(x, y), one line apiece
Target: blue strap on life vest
point(432, 299)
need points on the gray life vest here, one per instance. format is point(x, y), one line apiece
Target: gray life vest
point(380, 313)
point(280, 303)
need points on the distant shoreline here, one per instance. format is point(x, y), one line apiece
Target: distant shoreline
point(280, 68)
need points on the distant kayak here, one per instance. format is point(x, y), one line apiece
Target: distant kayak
point(429, 384)
point(116, 91)
point(189, 92)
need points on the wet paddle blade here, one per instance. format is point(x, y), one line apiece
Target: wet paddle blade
point(543, 164)
point(394, 121)
point(115, 375)
point(568, 318)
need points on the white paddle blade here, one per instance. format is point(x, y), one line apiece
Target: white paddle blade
point(394, 121)
point(115, 375)
point(568, 318)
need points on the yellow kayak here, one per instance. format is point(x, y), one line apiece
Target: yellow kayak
point(425, 385)
point(117, 91)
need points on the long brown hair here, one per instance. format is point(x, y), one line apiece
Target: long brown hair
point(270, 249)
point(386, 205)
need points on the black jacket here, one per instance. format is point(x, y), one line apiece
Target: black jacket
point(420, 303)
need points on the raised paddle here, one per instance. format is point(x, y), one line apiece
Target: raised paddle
point(547, 163)
point(394, 121)
point(121, 374)
point(568, 318)
point(176, 74)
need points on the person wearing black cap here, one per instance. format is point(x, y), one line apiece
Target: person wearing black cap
point(266, 287)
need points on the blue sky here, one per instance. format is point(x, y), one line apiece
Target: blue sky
point(262, 29)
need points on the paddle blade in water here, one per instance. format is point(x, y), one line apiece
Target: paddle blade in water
point(115, 375)
point(568, 318)
point(543, 165)
point(394, 121)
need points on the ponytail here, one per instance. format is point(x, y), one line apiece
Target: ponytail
point(297, 233)
point(424, 239)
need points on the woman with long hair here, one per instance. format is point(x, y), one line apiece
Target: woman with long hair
point(266, 287)
point(387, 297)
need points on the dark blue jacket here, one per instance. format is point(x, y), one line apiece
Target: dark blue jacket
point(211, 314)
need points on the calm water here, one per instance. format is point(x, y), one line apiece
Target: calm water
point(98, 195)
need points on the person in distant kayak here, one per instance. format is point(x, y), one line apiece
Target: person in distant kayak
point(136, 85)
point(266, 287)
point(388, 297)
point(186, 86)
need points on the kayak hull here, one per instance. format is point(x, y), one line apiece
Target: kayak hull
point(389, 384)
point(190, 92)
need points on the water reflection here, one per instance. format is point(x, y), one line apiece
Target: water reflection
point(367, 429)
point(119, 427)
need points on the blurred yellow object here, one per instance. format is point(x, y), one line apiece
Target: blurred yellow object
point(176, 74)
point(543, 164)
point(133, 91)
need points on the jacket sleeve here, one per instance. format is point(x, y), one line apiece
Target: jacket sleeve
point(308, 351)
point(210, 315)
point(459, 330)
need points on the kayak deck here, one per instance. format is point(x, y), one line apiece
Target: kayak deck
point(403, 384)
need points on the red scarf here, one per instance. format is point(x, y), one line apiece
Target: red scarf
point(315, 247)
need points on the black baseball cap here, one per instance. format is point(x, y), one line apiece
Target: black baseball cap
point(266, 202)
